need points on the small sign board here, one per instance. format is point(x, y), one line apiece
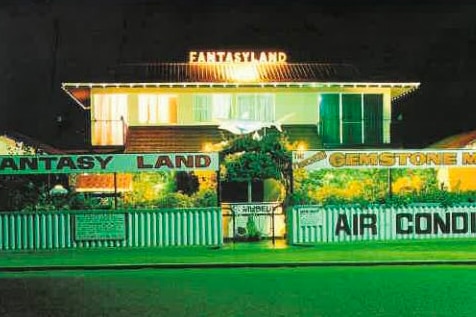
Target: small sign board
point(253, 209)
point(310, 217)
point(100, 226)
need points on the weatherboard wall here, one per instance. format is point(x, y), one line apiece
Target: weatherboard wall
point(134, 228)
point(316, 224)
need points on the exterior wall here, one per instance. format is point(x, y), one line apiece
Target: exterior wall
point(314, 224)
point(141, 228)
point(457, 178)
point(302, 103)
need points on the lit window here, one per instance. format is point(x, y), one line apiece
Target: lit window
point(109, 115)
point(208, 108)
point(155, 109)
point(255, 107)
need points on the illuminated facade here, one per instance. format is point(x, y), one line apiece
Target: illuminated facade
point(191, 106)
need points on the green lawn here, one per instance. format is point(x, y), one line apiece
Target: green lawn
point(445, 250)
point(415, 250)
point(323, 291)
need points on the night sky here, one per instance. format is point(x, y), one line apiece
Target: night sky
point(45, 43)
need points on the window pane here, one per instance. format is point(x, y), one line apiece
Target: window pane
point(154, 108)
point(265, 108)
point(329, 118)
point(221, 105)
point(209, 108)
point(373, 118)
point(109, 112)
point(244, 107)
point(257, 107)
point(201, 108)
point(352, 118)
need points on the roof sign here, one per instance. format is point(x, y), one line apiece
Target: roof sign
point(261, 57)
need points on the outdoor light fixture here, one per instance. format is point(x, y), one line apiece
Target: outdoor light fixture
point(301, 146)
point(207, 147)
point(58, 189)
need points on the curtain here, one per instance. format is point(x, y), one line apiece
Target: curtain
point(156, 108)
point(108, 112)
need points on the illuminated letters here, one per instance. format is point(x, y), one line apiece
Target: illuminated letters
point(237, 57)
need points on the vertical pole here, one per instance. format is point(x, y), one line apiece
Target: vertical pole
point(250, 192)
point(272, 223)
point(234, 222)
point(218, 189)
point(115, 190)
point(390, 180)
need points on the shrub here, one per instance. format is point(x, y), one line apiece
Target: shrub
point(205, 198)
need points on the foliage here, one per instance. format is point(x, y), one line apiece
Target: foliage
point(167, 190)
point(371, 186)
point(251, 229)
point(23, 192)
point(206, 197)
point(20, 148)
point(149, 188)
point(186, 182)
point(173, 200)
point(247, 159)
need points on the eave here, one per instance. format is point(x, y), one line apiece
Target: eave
point(80, 92)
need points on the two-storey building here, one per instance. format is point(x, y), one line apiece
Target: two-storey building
point(193, 106)
point(169, 107)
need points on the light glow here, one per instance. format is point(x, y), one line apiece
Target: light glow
point(244, 73)
point(211, 57)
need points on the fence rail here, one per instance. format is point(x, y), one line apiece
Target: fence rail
point(87, 229)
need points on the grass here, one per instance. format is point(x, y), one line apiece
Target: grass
point(367, 251)
point(324, 291)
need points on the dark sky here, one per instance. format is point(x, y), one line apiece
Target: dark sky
point(44, 43)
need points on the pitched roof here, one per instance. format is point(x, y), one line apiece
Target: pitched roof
point(458, 141)
point(233, 72)
point(230, 74)
point(26, 141)
point(152, 139)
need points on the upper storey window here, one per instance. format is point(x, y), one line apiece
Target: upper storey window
point(216, 107)
point(109, 115)
point(157, 109)
point(351, 119)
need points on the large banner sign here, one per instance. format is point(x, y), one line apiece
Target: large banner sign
point(100, 163)
point(311, 160)
point(320, 224)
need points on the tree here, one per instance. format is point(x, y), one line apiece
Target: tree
point(248, 159)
